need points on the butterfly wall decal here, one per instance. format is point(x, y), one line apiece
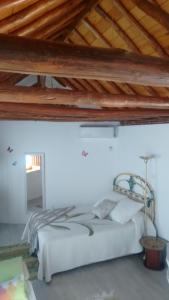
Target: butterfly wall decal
point(84, 153)
point(9, 149)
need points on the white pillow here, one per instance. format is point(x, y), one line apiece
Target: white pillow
point(103, 208)
point(115, 196)
point(125, 210)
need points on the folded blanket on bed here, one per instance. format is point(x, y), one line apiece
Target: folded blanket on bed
point(38, 220)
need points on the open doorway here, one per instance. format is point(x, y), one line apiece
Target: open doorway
point(34, 170)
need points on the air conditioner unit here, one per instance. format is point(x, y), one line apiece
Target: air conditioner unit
point(99, 130)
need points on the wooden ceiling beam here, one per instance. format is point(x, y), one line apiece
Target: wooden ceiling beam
point(154, 11)
point(40, 12)
point(9, 7)
point(96, 32)
point(116, 86)
point(148, 121)
point(84, 40)
point(35, 117)
point(95, 84)
point(66, 83)
point(32, 95)
point(89, 6)
point(24, 116)
point(125, 37)
point(130, 89)
point(58, 36)
point(61, 82)
point(156, 2)
point(63, 21)
point(86, 43)
point(87, 85)
point(98, 86)
point(77, 84)
point(112, 84)
point(33, 12)
point(48, 111)
point(11, 79)
point(55, 16)
point(41, 81)
point(131, 45)
point(22, 55)
point(150, 38)
point(151, 91)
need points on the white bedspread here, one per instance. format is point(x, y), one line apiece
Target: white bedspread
point(61, 250)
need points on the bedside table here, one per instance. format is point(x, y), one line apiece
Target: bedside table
point(155, 252)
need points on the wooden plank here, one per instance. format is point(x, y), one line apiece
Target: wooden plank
point(96, 33)
point(87, 85)
point(28, 56)
point(77, 84)
point(148, 121)
point(101, 37)
point(98, 86)
point(90, 5)
point(149, 37)
point(64, 82)
point(129, 42)
point(10, 7)
point(41, 81)
point(57, 16)
point(33, 117)
point(154, 11)
point(47, 112)
point(84, 40)
point(32, 95)
point(59, 24)
point(32, 15)
point(10, 78)
point(25, 116)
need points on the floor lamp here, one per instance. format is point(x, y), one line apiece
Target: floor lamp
point(146, 160)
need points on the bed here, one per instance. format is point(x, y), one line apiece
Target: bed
point(84, 239)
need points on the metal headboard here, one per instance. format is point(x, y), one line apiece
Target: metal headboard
point(134, 186)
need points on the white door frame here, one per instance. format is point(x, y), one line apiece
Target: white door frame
point(42, 154)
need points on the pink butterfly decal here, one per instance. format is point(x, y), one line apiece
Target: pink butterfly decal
point(84, 153)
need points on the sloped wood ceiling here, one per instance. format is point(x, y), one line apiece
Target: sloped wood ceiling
point(139, 26)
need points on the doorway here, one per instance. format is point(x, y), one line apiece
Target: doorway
point(34, 170)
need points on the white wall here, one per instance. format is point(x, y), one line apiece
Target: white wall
point(34, 184)
point(152, 139)
point(70, 178)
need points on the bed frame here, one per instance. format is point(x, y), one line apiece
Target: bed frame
point(135, 187)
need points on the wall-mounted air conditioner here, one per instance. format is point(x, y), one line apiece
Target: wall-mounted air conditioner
point(100, 130)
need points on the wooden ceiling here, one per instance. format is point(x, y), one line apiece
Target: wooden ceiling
point(137, 26)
